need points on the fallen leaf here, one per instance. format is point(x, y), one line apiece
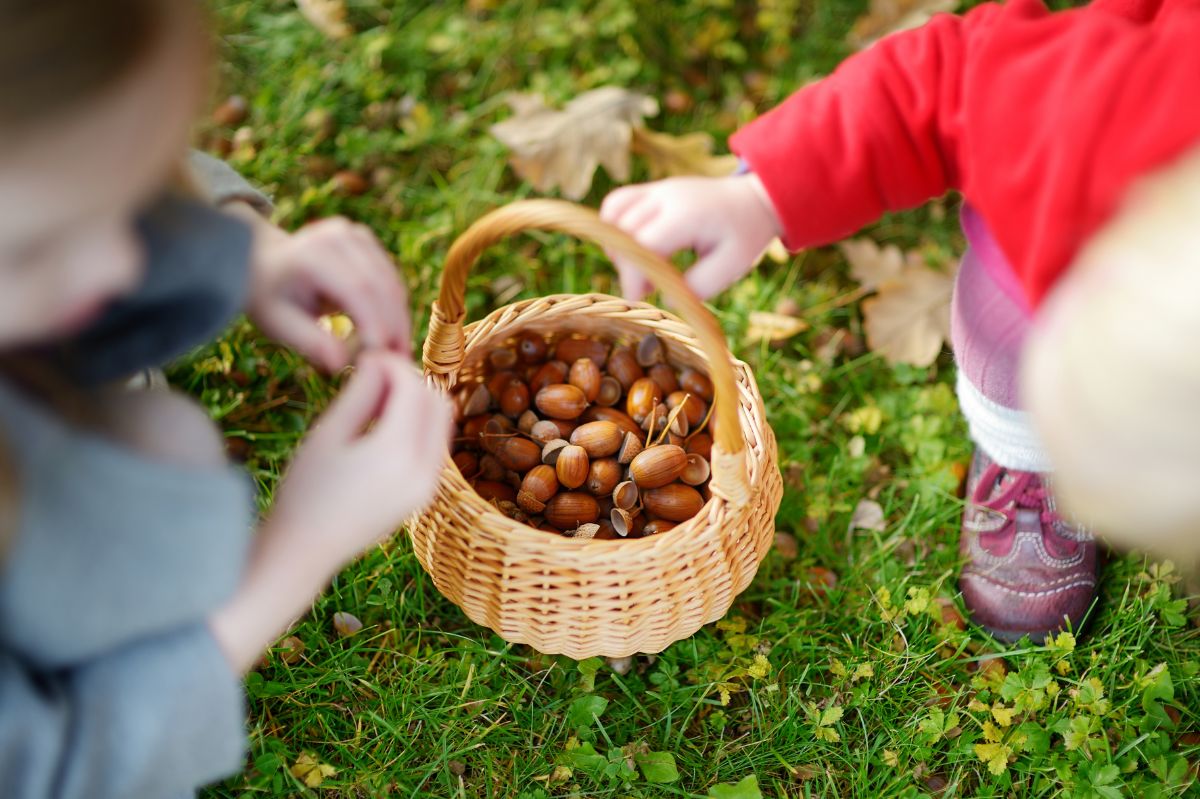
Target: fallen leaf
point(872, 265)
point(310, 771)
point(868, 515)
point(346, 624)
point(327, 16)
point(786, 546)
point(773, 327)
point(563, 148)
point(291, 649)
point(909, 319)
point(890, 16)
point(822, 580)
point(690, 154)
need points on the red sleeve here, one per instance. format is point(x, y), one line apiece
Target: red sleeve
point(1041, 120)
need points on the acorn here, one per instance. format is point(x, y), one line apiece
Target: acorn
point(569, 350)
point(514, 400)
point(675, 502)
point(599, 439)
point(696, 472)
point(565, 427)
point(572, 466)
point(650, 350)
point(497, 383)
point(552, 449)
point(497, 429)
point(492, 489)
point(532, 348)
point(567, 510)
point(232, 112)
point(584, 532)
point(349, 182)
point(526, 421)
point(467, 463)
point(472, 429)
point(693, 407)
point(519, 454)
point(561, 401)
point(624, 367)
point(544, 431)
point(643, 397)
point(625, 495)
point(631, 445)
point(656, 421)
point(502, 358)
point(603, 476)
point(539, 485)
point(624, 522)
point(548, 374)
point(585, 376)
point(665, 377)
point(478, 400)
point(620, 418)
point(656, 526)
point(695, 383)
point(610, 391)
point(657, 466)
point(490, 468)
point(700, 444)
point(606, 532)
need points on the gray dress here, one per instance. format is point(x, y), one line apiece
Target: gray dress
point(111, 685)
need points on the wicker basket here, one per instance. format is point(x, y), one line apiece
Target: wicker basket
point(595, 597)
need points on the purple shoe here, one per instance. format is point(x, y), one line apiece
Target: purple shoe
point(1027, 571)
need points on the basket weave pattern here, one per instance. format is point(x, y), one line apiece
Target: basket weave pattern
point(587, 598)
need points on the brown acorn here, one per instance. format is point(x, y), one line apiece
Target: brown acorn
point(514, 400)
point(232, 112)
point(606, 532)
point(597, 413)
point(572, 466)
point(567, 510)
point(695, 383)
point(656, 421)
point(656, 526)
point(565, 427)
point(548, 374)
point(519, 454)
point(467, 463)
point(349, 182)
point(643, 397)
point(700, 444)
point(624, 521)
point(544, 431)
point(478, 400)
point(603, 476)
point(532, 348)
point(650, 350)
point(490, 468)
point(696, 472)
point(569, 350)
point(665, 377)
point(491, 489)
point(472, 429)
point(539, 485)
point(631, 445)
point(610, 391)
point(624, 367)
point(657, 466)
point(600, 439)
point(502, 359)
point(497, 429)
point(561, 401)
point(552, 449)
point(526, 421)
point(499, 381)
point(675, 502)
point(625, 495)
point(585, 376)
point(693, 407)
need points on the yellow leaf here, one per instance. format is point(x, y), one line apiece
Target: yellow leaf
point(890, 758)
point(828, 734)
point(563, 148)
point(771, 327)
point(995, 755)
point(838, 669)
point(690, 154)
point(310, 771)
point(890, 16)
point(975, 706)
point(991, 732)
point(327, 16)
point(832, 715)
point(760, 668)
point(863, 671)
point(1003, 715)
point(909, 319)
point(1064, 641)
point(723, 694)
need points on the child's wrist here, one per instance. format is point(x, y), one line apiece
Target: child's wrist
point(759, 191)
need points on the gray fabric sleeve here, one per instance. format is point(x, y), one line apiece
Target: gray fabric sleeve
point(158, 719)
point(225, 185)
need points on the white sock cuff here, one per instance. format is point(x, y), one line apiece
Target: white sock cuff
point(1005, 434)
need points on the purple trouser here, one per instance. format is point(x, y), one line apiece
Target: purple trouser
point(989, 322)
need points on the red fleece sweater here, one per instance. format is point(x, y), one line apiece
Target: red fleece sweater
point(1042, 120)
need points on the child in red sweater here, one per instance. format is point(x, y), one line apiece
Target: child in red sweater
point(1043, 122)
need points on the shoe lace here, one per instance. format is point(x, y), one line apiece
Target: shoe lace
point(1024, 490)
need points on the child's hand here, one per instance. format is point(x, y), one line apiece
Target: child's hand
point(727, 221)
point(331, 264)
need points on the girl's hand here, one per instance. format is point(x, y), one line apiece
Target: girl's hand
point(331, 264)
point(727, 221)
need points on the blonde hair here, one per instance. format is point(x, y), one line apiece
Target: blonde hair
point(1111, 371)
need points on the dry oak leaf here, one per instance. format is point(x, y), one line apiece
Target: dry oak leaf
point(872, 265)
point(563, 148)
point(690, 154)
point(311, 771)
point(327, 16)
point(909, 319)
point(884, 17)
point(773, 327)
point(868, 515)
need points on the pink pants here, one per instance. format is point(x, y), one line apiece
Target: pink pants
point(989, 322)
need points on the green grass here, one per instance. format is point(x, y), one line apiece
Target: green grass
point(423, 703)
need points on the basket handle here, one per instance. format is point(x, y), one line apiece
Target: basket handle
point(444, 346)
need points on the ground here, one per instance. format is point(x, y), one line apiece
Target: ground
point(863, 688)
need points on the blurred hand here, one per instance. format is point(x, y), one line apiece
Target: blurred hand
point(331, 264)
point(728, 222)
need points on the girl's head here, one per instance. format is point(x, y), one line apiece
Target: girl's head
point(1111, 371)
point(95, 101)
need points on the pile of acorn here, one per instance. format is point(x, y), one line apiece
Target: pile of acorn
point(579, 438)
